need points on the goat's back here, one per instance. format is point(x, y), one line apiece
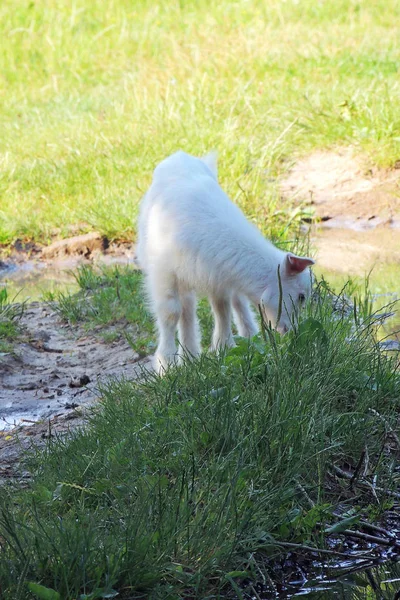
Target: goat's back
point(188, 224)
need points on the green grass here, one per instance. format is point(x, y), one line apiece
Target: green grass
point(112, 302)
point(381, 287)
point(187, 486)
point(190, 485)
point(94, 94)
point(10, 314)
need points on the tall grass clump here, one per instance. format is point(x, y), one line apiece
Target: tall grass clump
point(10, 314)
point(185, 486)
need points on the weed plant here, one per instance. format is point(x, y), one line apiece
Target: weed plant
point(10, 314)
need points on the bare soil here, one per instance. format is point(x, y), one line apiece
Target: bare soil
point(51, 377)
point(345, 191)
point(358, 208)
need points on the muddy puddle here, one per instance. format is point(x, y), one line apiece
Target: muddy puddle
point(370, 259)
point(345, 579)
point(55, 369)
point(358, 207)
point(363, 260)
point(34, 280)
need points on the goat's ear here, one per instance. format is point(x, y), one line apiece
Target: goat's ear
point(296, 264)
point(210, 160)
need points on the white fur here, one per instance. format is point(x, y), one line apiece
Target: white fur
point(194, 240)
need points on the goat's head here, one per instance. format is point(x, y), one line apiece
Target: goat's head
point(284, 297)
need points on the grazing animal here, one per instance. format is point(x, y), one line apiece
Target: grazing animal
point(194, 240)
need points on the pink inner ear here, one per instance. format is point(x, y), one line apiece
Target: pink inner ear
point(297, 264)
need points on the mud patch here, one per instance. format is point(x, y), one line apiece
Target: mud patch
point(13, 444)
point(79, 245)
point(56, 369)
point(357, 252)
point(86, 247)
point(344, 191)
point(359, 210)
point(28, 276)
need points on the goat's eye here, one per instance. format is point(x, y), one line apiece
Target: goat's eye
point(302, 298)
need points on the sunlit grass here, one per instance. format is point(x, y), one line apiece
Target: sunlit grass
point(94, 94)
point(382, 288)
point(10, 314)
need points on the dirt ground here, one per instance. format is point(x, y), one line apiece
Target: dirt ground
point(358, 208)
point(50, 379)
point(52, 376)
point(344, 191)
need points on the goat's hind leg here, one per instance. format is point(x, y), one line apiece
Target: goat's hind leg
point(188, 329)
point(168, 309)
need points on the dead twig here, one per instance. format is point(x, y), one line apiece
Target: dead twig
point(366, 484)
point(361, 566)
point(376, 528)
point(357, 469)
point(366, 462)
point(322, 550)
point(305, 494)
point(370, 538)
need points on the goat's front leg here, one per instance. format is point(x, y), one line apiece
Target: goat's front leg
point(222, 335)
point(244, 317)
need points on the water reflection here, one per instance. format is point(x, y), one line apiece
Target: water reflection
point(383, 284)
point(29, 281)
point(355, 580)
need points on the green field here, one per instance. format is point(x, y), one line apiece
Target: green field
point(94, 94)
point(194, 486)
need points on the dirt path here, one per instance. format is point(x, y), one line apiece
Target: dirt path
point(52, 377)
point(344, 191)
point(358, 208)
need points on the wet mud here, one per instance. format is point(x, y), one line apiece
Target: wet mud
point(50, 380)
point(56, 367)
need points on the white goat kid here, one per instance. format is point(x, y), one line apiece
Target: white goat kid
point(194, 240)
